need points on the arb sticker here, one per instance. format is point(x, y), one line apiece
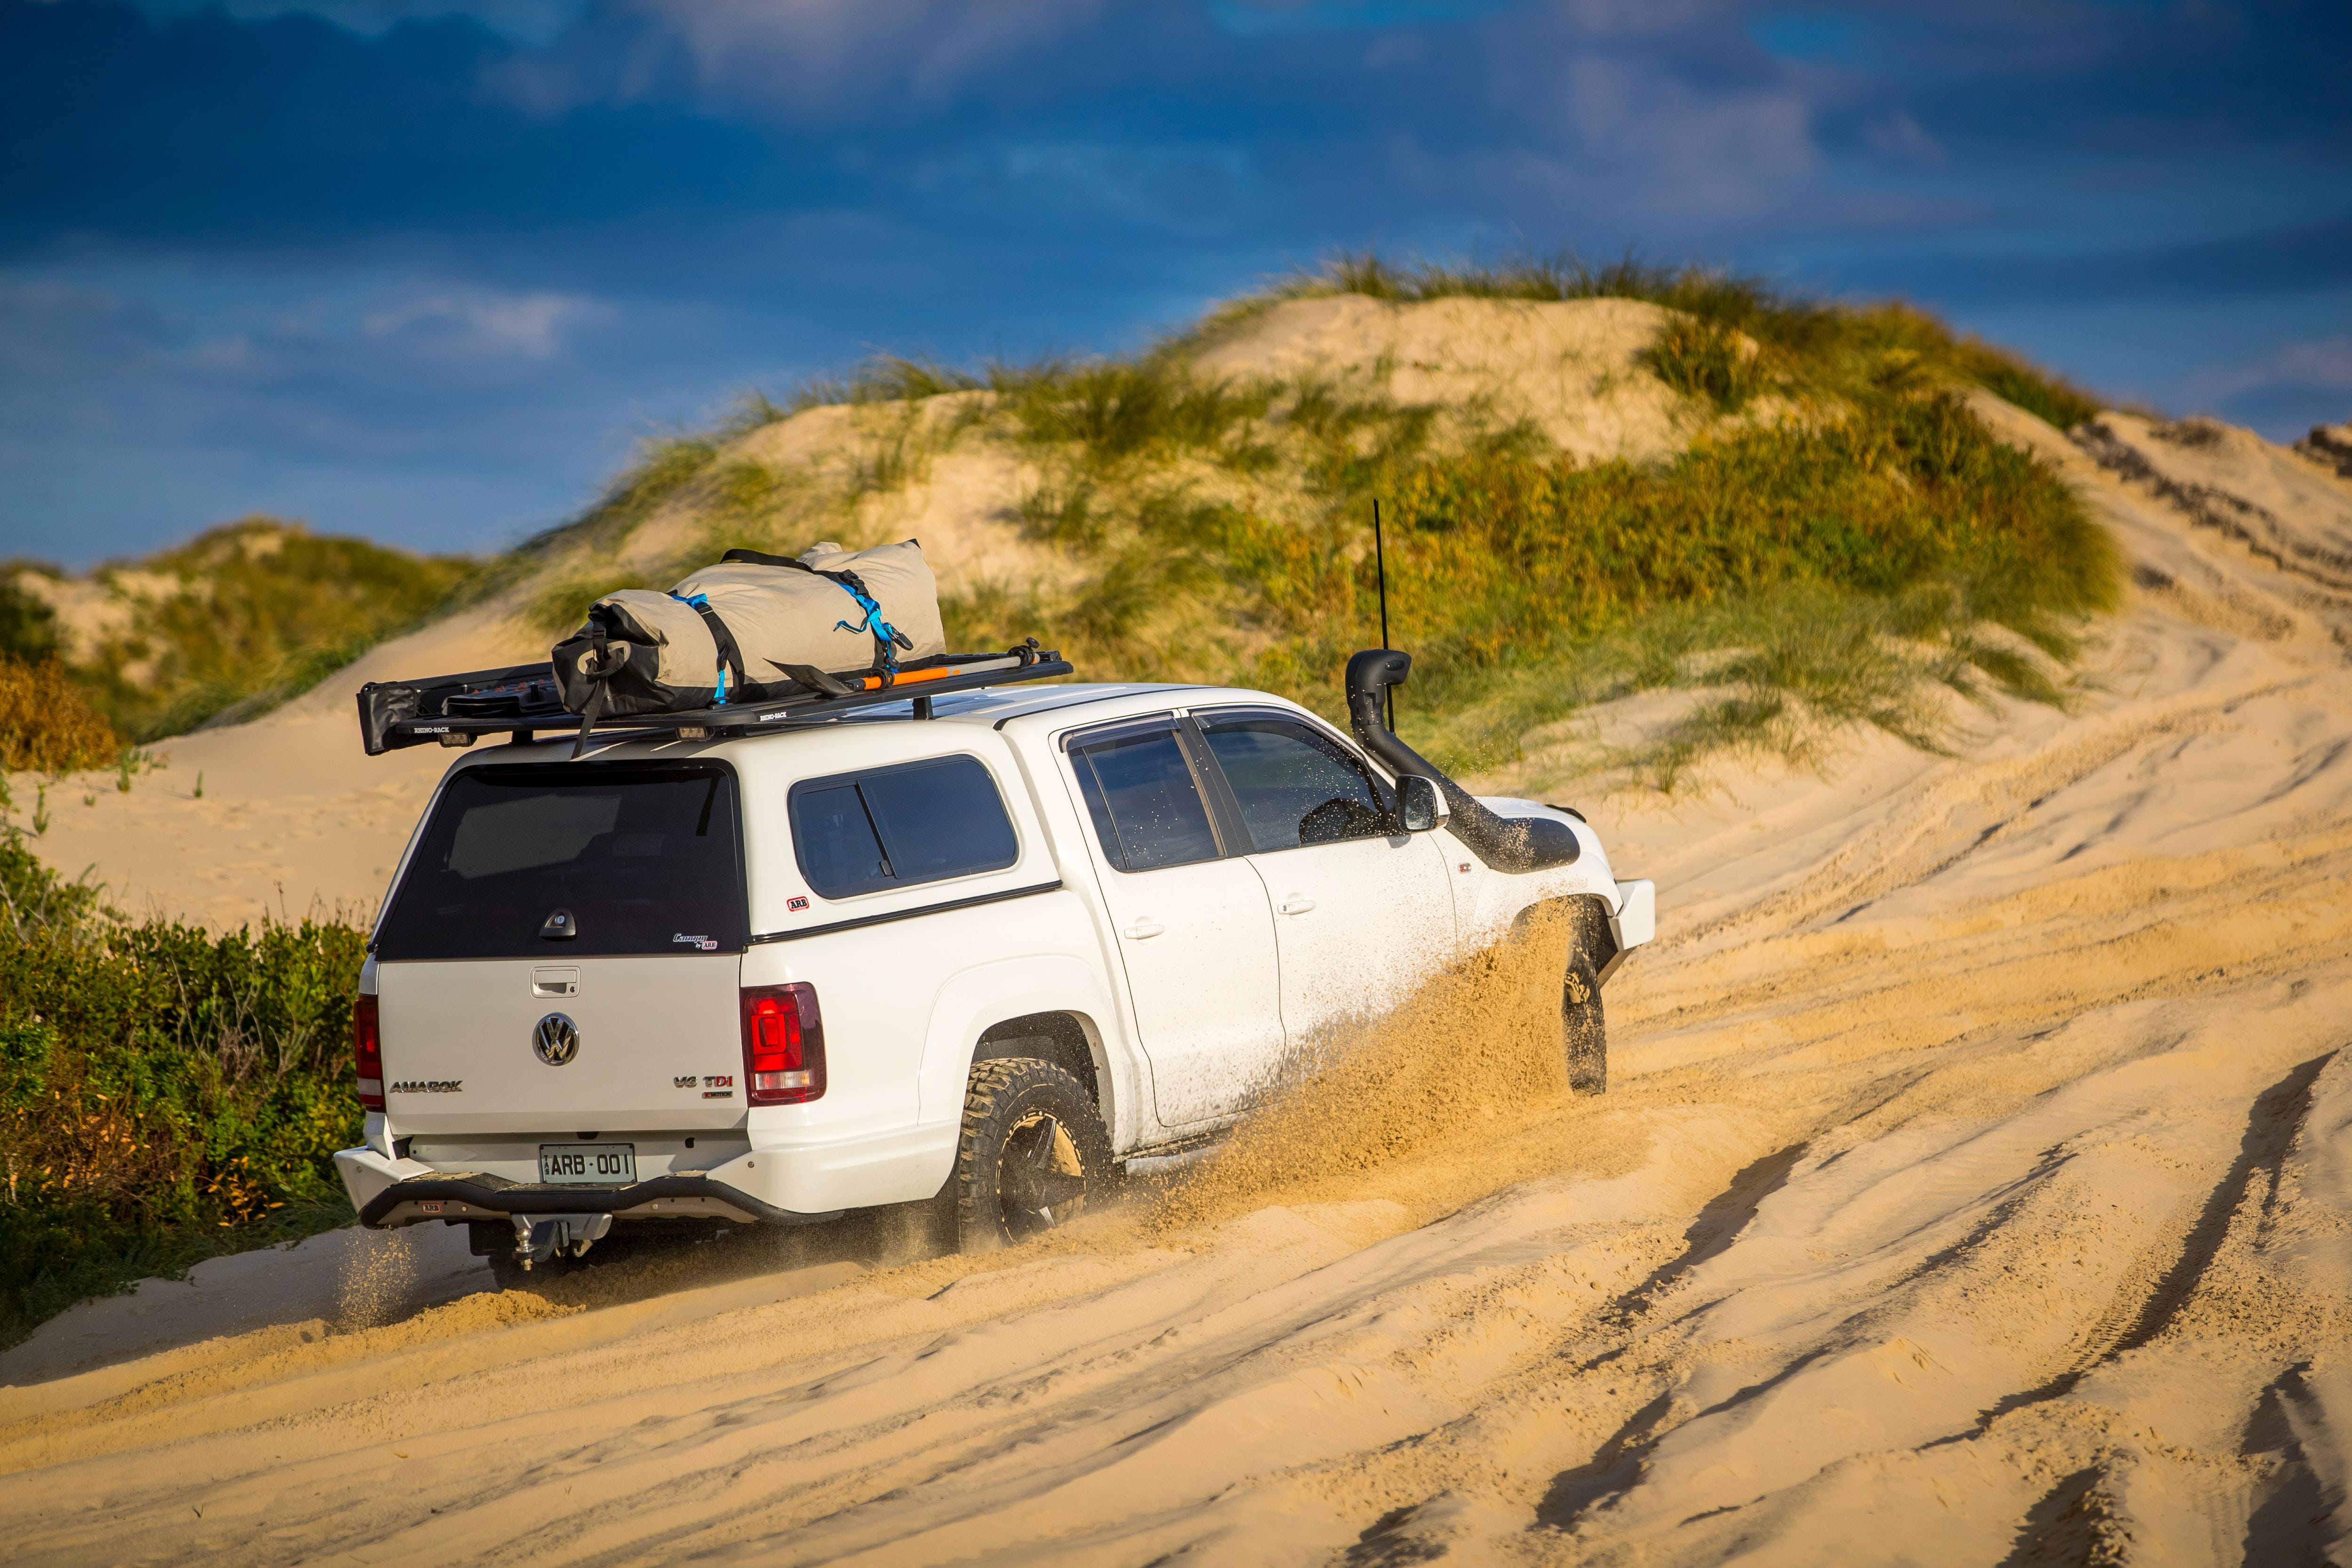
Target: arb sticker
point(796, 905)
point(706, 943)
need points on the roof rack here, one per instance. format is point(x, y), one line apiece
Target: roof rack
point(523, 701)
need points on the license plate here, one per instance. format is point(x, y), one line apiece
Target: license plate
point(588, 1164)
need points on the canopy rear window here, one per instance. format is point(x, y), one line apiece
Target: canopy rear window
point(638, 859)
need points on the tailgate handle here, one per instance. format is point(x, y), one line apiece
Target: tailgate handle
point(551, 984)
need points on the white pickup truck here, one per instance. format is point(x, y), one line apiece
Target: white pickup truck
point(979, 949)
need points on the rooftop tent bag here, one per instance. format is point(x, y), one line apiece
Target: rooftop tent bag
point(752, 628)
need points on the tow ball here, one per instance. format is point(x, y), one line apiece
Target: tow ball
point(541, 1237)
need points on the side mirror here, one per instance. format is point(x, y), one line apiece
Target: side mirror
point(1419, 805)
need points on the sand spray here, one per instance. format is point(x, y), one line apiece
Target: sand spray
point(378, 1275)
point(1480, 1041)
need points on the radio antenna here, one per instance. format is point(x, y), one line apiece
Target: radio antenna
point(1380, 574)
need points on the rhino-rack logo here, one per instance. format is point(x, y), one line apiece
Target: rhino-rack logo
point(429, 1086)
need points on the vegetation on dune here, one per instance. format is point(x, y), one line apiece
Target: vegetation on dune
point(265, 611)
point(166, 1095)
point(1873, 546)
point(1812, 344)
point(1843, 568)
point(47, 723)
point(28, 629)
point(227, 626)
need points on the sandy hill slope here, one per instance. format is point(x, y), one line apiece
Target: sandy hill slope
point(1568, 367)
point(1973, 1187)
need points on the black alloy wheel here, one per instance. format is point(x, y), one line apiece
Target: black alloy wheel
point(1040, 1179)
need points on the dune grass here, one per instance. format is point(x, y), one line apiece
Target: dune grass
point(1818, 344)
point(262, 610)
point(1846, 568)
point(47, 723)
point(1844, 565)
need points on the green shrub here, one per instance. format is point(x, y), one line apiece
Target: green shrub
point(1846, 561)
point(885, 378)
point(1114, 409)
point(47, 723)
point(29, 628)
point(1842, 557)
point(166, 1094)
point(1700, 358)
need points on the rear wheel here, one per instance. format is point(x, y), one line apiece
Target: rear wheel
point(1583, 1024)
point(1033, 1153)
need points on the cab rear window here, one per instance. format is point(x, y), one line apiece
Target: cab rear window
point(895, 827)
point(634, 860)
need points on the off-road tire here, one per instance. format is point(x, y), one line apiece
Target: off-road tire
point(1024, 1123)
point(1583, 1029)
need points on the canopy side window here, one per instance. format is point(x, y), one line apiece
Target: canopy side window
point(900, 827)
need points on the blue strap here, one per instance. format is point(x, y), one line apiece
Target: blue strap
point(887, 638)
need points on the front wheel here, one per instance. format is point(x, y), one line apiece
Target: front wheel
point(1582, 1023)
point(1033, 1153)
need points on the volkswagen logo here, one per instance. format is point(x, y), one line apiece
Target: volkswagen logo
point(556, 1039)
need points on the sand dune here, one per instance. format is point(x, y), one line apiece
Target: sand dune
point(1976, 1186)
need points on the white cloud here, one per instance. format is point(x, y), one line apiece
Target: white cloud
point(1617, 130)
point(823, 54)
point(1900, 139)
point(531, 21)
point(2323, 363)
point(529, 326)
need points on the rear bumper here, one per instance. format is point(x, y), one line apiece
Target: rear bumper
point(390, 1194)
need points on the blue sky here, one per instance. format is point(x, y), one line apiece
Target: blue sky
point(426, 269)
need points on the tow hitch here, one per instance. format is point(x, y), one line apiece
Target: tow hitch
point(542, 1237)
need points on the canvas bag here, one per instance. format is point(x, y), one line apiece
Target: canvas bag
point(751, 629)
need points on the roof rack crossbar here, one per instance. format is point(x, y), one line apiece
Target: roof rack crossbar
point(394, 714)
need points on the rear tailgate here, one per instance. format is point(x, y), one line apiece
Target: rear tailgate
point(656, 1046)
point(563, 953)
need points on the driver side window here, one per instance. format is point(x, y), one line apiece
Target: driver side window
point(1295, 787)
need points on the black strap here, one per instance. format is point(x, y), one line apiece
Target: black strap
point(588, 711)
point(816, 680)
point(761, 558)
point(730, 654)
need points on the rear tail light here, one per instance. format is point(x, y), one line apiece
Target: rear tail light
point(367, 1052)
point(783, 1045)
